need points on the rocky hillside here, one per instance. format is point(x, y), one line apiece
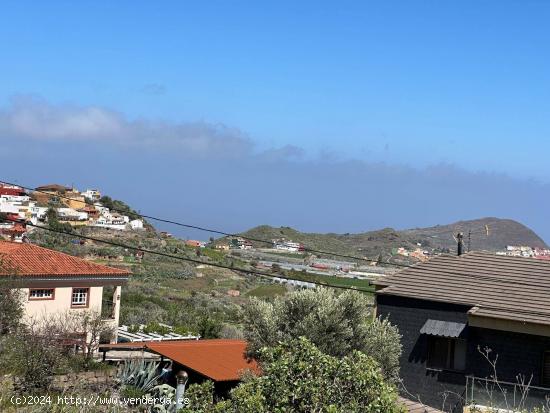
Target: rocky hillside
point(502, 232)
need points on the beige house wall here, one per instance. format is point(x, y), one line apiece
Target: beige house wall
point(61, 302)
point(38, 309)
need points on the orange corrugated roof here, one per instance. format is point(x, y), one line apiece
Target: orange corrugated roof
point(29, 260)
point(217, 359)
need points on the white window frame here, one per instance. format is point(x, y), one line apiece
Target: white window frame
point(41, 294)
point(81, 292)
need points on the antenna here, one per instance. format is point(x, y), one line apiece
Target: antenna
point(485, 231)
point(458, 232)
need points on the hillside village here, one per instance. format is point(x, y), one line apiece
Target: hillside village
point(115, 312)
point(78, 209)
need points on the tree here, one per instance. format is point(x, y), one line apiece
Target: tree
point(201, 398)
point(53, 221)
point(208, 327)
point(32, 356)
point(88, 324)
point(384, 345)
point(11, 307)
point(297, 377)
point(51, 217)
point(11, 312)
point(336, 323)
point(119, 206)
point(22, 351)
point(96, 330)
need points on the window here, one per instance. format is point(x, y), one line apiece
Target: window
point(446, 353)
point(41, 294)
point(80, 297)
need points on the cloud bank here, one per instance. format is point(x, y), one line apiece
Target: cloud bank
point(214, 175)
point(34, 119)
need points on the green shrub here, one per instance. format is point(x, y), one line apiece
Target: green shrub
point(130, 392)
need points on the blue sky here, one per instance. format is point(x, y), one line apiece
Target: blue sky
point(408, 84)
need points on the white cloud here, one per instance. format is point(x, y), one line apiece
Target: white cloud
point(36, 119)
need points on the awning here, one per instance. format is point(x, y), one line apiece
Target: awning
point(442, 328)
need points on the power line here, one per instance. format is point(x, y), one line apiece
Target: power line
point(195, 261)
point(256, 272)
point(214, 231)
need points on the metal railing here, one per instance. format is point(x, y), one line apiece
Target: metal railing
point(506, 395)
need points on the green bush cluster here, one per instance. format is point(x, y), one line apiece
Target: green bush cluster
point(337, 323)
point(298, 377)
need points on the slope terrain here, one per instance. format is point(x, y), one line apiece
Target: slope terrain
point(501, 232)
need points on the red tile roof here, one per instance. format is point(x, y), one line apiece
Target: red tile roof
point(53, 188)
point(219, 360)
point(29, 260)
point(15, 229)
point(12, 191)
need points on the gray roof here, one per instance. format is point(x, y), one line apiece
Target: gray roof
point(495, 286)
point(442, 328)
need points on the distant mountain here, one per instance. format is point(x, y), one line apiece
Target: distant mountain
point(502, 232)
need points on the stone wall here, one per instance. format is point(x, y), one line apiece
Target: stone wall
point(98, 377)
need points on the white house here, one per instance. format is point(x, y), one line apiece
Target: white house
point(117, 219)
point(8, 207)
point(71, 214)
point(37, 213)
point(102, 210)
point(289, 246)
point(136, 224)
point(92, 194)
point(15, 199)
point(104, 222)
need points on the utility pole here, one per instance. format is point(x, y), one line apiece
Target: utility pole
point(469, 239)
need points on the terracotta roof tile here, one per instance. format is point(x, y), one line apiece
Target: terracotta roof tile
point(29, 260)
